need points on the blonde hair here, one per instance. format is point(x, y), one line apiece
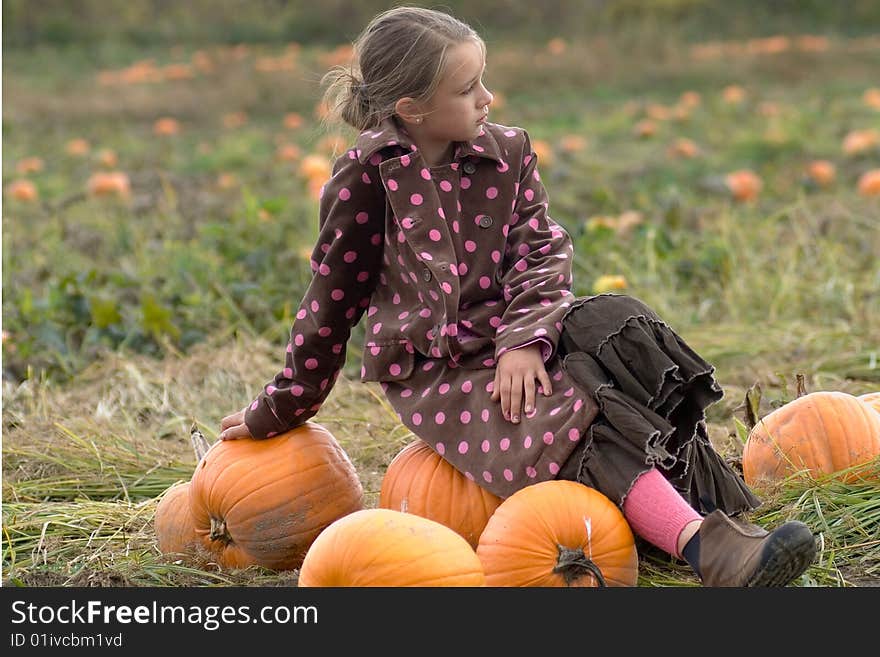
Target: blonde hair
point(400, 53)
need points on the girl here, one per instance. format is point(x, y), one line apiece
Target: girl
point(435, 225)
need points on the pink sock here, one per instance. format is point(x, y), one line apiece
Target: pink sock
point(656, 512)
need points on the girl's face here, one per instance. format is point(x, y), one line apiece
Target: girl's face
point(460, 104)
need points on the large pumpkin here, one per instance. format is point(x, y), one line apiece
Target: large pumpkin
point(383, 547)
point(173, 522)
point(418, 480)
point(872, 399)
point(263, 502)
point(558, 533)
point(818, 433)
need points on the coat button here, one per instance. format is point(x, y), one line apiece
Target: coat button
point(426, 274)
point(485, 221)
point(469, 167)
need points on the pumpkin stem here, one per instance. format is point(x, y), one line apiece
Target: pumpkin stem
point(218, 531)
point(573, 564)
point(199, 442)
point(752, 404)
point(801, 386)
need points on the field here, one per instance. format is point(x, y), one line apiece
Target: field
point(137, 304)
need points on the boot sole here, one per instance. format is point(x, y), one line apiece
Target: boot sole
point(788, 552)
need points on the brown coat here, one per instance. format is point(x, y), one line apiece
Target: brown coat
point(453, 265)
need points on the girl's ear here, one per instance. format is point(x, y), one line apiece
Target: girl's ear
point(408, 110)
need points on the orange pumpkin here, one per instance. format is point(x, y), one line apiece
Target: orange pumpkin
point(872, 399)
point(869, 183)
point(558, 533)
point(264, 501)
point(744, 184)
point(173, 521)
point(418, 480)
point(383, 547)
point(821, 432)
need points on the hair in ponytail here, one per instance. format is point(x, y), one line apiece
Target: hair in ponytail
point(400, 53)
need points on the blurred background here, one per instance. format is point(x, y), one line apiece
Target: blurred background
point(719, 159)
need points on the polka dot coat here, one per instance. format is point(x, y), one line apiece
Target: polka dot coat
point(453, 266)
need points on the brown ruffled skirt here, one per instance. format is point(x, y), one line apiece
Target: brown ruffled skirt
point(652, 391)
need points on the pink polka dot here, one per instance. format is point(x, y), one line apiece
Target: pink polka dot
point(574, 435)
point(344, 194)
point(361, 217)
point(487, 476)
point(467, 386)
point(556, 410)
point(568, 393)
point(529, 194)
point(392, 184)
point(444, 388)
point(492, 192)
point(531, 472)
point(287, 372)
point(426, 174)
point(417, 419)
point(462, 447)
point(470, 246)
point(312, 364)
point(485, 282)
point(484, 415)
point(504, 444)
point(446, 186)
point(548, 438)
point(296, 390)
point(527, 442)
point(416, 199)
point(394, 369)
point(441, 448)
point(510, 133)
point(434, 234)
point(508, 474)
point(578, 404)
point(553, 468)
point(337, 295)
point(485, 446)
point(405, 160)
point(254, 405)
point(440, 417)
point(465, 417)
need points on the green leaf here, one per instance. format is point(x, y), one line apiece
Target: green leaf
point(104, 312)
point(156, 318)
point(742, 431)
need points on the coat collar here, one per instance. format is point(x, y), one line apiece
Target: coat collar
point(390, 133)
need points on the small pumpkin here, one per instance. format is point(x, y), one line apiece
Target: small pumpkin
point(418, 480)
point(173, 522)
point(558, 533)
point(384, 547)
point(822, 432)
point(263, 502)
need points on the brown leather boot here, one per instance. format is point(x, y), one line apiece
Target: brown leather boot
point(739, 554)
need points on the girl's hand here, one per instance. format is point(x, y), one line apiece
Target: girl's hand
point(515, 379)
point(233, 427)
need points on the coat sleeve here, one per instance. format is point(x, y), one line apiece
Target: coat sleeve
point(536, 275)
point(345, 266)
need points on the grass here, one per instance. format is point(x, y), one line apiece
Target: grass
point(125, 321)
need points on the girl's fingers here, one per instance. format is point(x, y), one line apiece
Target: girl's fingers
point(529, 385)
point(516, 395)
point(544, 378)
point(235, 432)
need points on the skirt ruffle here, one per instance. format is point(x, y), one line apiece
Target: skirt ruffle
point(652, 390)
